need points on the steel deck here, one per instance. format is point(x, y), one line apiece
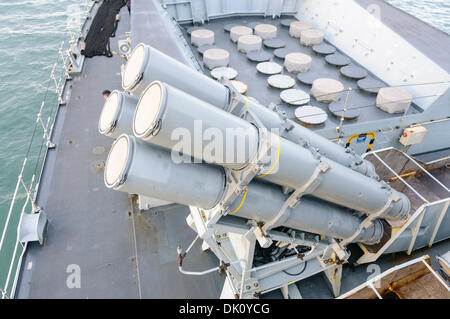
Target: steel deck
point(123, 254)
point(261, 91)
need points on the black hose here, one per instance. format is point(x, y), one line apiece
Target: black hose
point(299, 273)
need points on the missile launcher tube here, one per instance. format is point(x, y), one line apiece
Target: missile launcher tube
point(325, 147)
point(117, 114)
point(163, 109)
point(147, 64)
point(136, 167)
point(167, 117)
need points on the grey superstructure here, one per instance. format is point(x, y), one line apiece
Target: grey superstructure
point(125, 246)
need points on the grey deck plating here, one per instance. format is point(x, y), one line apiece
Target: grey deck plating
point(90, 225)
point(257, 82)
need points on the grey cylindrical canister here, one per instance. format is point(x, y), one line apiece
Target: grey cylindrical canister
point(163, 109)
point(137, 167)
point(338, 184)
point(324, 146)
point(117, 114)
point(173, 119)
point(262, 201)
point(147, 64)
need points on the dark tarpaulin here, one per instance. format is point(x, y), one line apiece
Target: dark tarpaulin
point(102, 28)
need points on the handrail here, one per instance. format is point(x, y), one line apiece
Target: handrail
point(31, 187)
point(412, 160)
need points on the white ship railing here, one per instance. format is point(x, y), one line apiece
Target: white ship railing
point(27, 187)
point(373, 283)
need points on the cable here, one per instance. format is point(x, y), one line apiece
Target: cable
point(299, 273)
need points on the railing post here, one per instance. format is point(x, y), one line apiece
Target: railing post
point(341, 122)
point(49, 143)
point(4, 294)
point(36, 208)
point(13, 201)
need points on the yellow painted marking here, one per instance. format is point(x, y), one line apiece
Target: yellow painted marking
point(121, 55)
point(372, 140)
point(246, 100)
point(276, 161)
point(242, 202)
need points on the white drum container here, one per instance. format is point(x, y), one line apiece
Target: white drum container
point(117, 114)
point(281, 81)
point(310, 115)
point(202, 37)
point(294, 97)
point(311, 37)
point(327, 90)
point(147, 64)
point(296, 28)
point(266, 31)
point(214, 58)
point(224, 72)
point(297, 62)
point(394, 100)
point(136, 167)
point(239, 31)
point(249, 43)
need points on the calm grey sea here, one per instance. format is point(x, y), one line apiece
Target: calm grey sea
point(30, 33)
